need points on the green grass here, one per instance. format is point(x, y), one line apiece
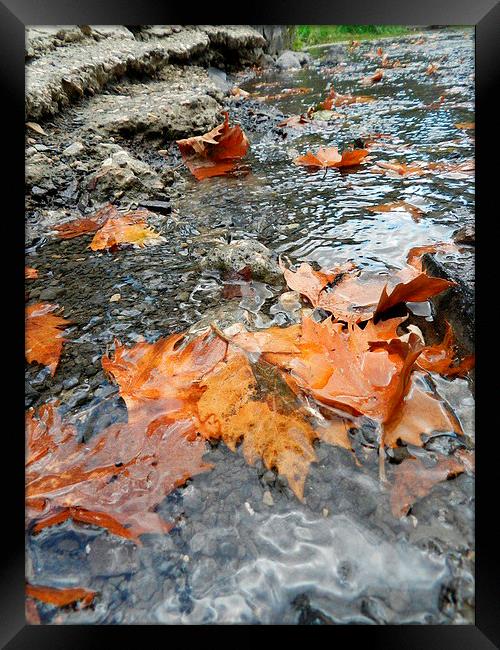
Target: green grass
point(308, 35)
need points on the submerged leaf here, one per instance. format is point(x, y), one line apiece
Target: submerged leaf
point(415, 480)
point(374, 78)
point(440, 358)
point(61, 597)
point(127, 229)
point(230, 410)
point(295, 121)
point(420, 413)
point(30, 273)
point(87, 225)
point(44, 338)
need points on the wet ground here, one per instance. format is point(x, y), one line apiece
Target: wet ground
point(236, 555)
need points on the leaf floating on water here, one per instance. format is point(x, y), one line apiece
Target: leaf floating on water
point(61, 597)
point(413, 287)
point(465, 125)
point(127, 229)
point(432, 68)
point(373, 79)
point(336, 99)
point(44, 335)
point(415, 480)
point(215, 153)
point(401, 169)
point(398, 206)
point(330, 157)
point(295, 121)
point(307, 281)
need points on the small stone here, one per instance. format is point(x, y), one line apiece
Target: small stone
point(73, 149)
point(115, 297)
point(325, 512)
point(267, 498)
point(249, 508)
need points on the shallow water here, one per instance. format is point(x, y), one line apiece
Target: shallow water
point(340, 557)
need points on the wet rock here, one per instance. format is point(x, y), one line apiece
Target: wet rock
point(163, 207)
point(455, 305)
point(243, 253)
point(288, 60)
point(233, 37)
point(219, 78)
point(466, 235)
point(39, 169)
point(107, 558)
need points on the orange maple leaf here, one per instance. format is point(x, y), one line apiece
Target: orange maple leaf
point(330, 157)
point(88, 224)
point(61, 597)
point(44, 338)
point(127, 229)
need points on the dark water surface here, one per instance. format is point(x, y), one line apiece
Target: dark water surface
point(340, 557)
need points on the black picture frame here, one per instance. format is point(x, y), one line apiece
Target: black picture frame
point(14, 16)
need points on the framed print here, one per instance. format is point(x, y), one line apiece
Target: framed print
point(250, 323)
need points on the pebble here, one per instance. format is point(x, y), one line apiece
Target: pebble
point(115, 297)
point(73, 149)
point(267, 498)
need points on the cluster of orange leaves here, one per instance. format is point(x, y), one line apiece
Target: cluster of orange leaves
point(112, 229)
point(242, 386)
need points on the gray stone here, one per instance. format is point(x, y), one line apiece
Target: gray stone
point(121, 172)
point(73, 149)
point(41, 39)
point(288, 60)
point(184, 102)
point(59, 78)
point(241, 253)
point(99, 32)
point(107, 558)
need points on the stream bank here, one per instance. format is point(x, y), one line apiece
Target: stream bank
point(244, 549)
